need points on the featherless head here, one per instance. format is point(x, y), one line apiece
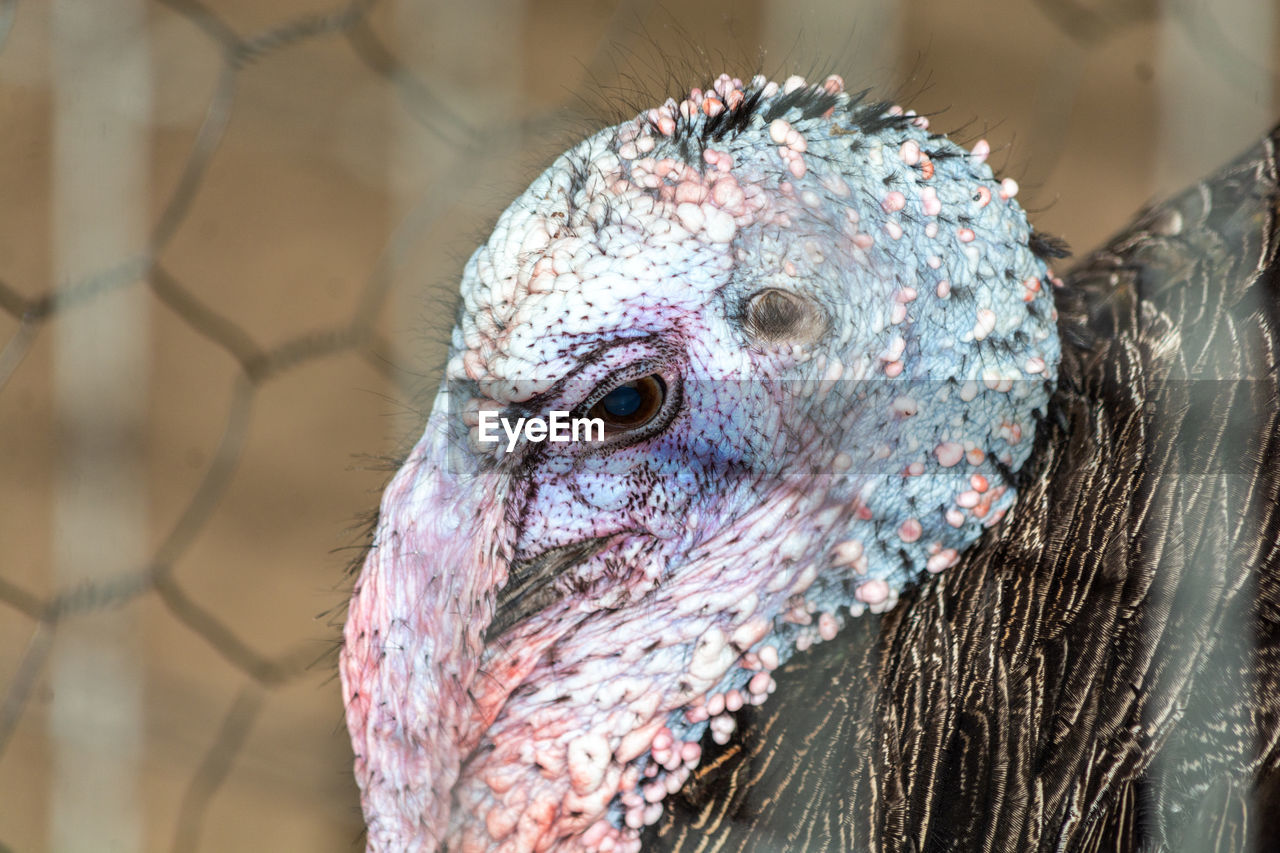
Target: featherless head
point(816, 338)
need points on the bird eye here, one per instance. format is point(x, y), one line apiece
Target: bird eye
point(632, 404)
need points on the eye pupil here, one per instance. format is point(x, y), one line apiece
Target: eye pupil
point(623, 401)
point(632, 404)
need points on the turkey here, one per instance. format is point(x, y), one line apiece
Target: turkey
point(969, 556)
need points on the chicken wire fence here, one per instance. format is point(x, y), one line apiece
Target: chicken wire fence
point(230, 232)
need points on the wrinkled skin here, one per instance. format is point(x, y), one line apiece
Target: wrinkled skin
point(855, 341)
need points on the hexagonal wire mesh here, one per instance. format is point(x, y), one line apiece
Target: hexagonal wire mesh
point(232, 231)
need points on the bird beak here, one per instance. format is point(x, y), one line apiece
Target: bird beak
point(415, 633)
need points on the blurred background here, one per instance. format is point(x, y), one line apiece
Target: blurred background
point(230, 232)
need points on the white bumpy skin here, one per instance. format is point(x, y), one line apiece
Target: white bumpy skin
point(843, 340)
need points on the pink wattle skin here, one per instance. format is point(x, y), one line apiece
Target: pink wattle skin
point(408, 669)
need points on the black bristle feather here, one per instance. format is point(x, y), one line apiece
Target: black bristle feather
point(1046, 246)
point(812, 103)
point(732, 121)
